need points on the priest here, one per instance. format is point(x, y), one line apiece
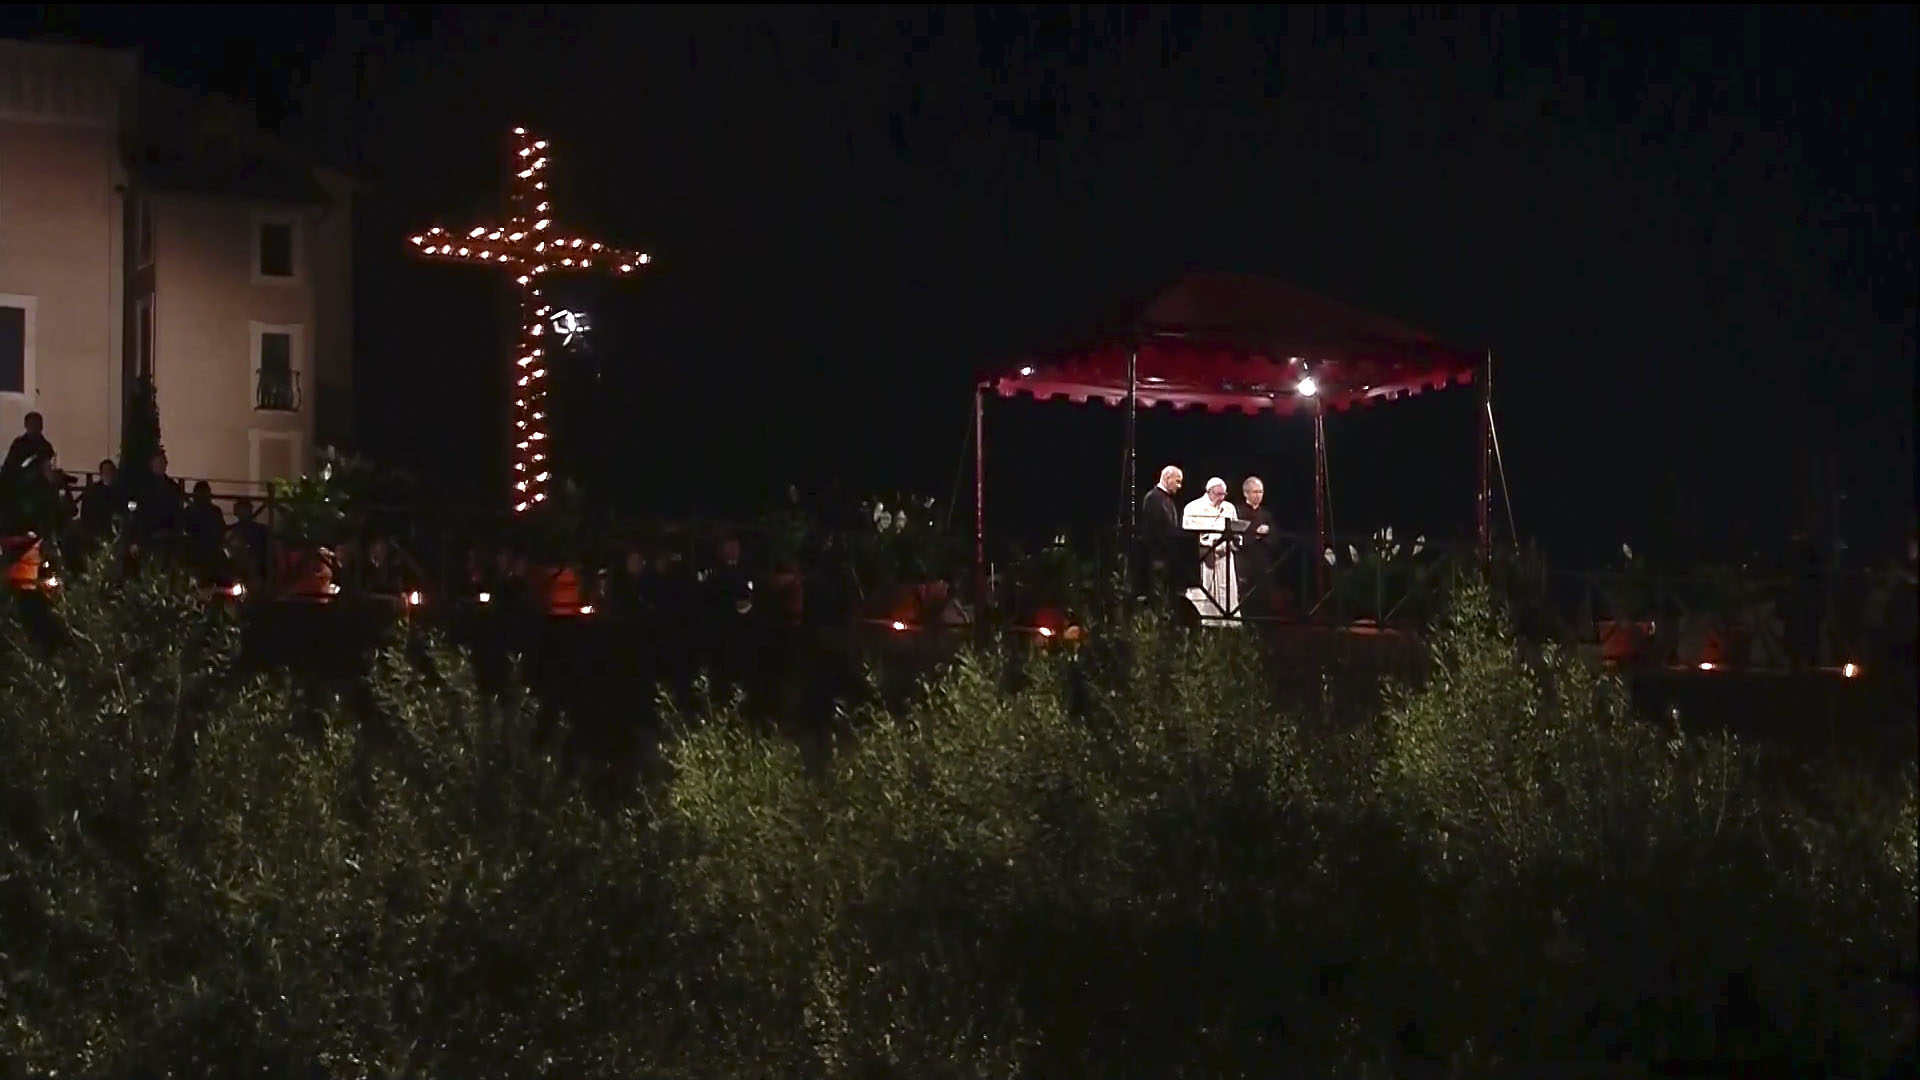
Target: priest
point(1217, 596)
point(1162, 548)
point(1256, 556)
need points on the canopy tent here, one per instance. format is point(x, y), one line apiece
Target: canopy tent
point(1235, 343)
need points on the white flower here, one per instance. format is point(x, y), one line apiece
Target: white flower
point(1419, 543)
point(881, 519)
point(1353, 553)
point(1389, 531)
point(1330, 556)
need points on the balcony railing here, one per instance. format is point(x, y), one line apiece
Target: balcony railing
point(276, 391)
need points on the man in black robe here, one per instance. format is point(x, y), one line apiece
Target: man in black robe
point(1163, 571)
point(1255, 562)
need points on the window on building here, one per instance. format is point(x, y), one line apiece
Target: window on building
point(143, 337)
point(277, 380)
point(276, 249)
point(13, 349)
point(142, 232)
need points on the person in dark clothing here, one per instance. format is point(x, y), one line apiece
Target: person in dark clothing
point(40, 505)
point(247, 539)
point(627, 586)
point(1255, 561)
point(1163, 572)
point(100, 501)
point(28, 448)
point(729, 587)
point(726, 602)
point(1805, 608)
point(157, 502)
point(381, 572)
point(204, 527)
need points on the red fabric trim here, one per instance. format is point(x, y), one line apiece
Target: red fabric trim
point(1183, 377)
point(1227, 343)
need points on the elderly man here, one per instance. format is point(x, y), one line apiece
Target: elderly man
point(1256, 551)
point(1217, 596)
point(1162, 548)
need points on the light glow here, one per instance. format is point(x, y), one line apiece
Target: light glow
point(1850, 670)
point(1306, 387)
point(899, 625)
point(413, 599)
point(486, 598)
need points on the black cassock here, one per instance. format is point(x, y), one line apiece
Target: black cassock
point(1256, 562)
point(1162, 545)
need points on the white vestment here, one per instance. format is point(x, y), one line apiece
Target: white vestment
point(1218, 595)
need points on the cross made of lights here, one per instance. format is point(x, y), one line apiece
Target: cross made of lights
point(529, 247)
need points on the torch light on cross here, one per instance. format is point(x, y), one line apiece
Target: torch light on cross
point(529, 246)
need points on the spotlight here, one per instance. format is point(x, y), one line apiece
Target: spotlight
point(236, 590)
point(1850, 670)
point(1706, 665)
point(1046, 631)
point(413, 598)
point(486, 598)
point(586, 609)
point(899, 625)
point(1306, 387)
point(1026, 371)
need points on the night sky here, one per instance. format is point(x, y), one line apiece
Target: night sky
point(1687, 236)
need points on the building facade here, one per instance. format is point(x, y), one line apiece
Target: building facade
point(146, 231)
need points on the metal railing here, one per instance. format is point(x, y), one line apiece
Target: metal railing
point(276, 391)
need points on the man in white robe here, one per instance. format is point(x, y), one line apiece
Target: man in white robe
point(1218, 595)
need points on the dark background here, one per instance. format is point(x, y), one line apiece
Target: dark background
point(1686, 235)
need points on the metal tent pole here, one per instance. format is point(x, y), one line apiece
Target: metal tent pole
point(1320, 567)
point(979, 505)
point(1129, 498)
point(1483, 499)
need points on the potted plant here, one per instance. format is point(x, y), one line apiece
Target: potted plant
point(1381, 579)
point(1625, 619)
point(1052, 586)
point(903, 563)
point(309, 520)
point(552, 535)
point(1716, 631)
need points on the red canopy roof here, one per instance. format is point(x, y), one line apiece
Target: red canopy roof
point(1228, 341)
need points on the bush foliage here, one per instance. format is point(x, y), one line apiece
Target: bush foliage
point(1119, 862)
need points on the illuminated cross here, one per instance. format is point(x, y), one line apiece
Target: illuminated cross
point(529, 247)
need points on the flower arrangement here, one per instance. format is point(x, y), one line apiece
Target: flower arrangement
point(902, 543)
point(1380, 580)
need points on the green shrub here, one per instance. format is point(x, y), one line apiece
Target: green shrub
point(1173, 878)
point(206, 875)
point(1122, 861)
